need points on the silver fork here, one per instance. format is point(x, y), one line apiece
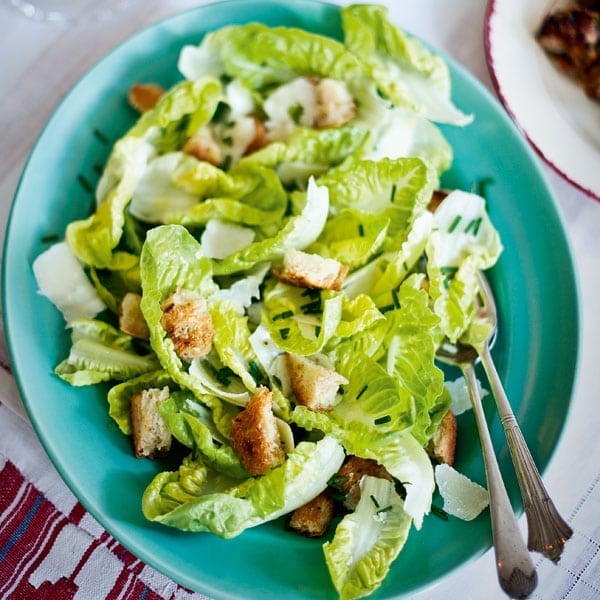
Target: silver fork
point(516, 572)
point(547, 530)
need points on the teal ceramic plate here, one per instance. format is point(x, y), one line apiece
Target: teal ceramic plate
point(534, 282)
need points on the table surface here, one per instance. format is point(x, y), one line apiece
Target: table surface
point(39, 62)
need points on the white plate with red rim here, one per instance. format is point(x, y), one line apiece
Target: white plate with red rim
point(554, 114)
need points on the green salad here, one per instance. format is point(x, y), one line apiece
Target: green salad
point(265, 276)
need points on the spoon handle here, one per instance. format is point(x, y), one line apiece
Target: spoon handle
point(516, 571)
point(548, 531)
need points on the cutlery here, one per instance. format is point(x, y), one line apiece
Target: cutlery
point(548, 531)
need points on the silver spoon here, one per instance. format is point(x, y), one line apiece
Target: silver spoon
point(548, 531)
point(516, 571)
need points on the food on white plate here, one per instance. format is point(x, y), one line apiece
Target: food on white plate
point(264, 283)
point(570, 36)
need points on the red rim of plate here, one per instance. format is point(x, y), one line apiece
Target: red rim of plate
point(489, 13)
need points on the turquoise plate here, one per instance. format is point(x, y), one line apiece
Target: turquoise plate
point(534, 282)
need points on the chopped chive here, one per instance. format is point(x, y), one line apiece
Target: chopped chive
point(474, 226)
point(286, 314)
point(341, 390)
point(311, 293)
point(361, 230)
point(276, 380)
point(228, 141)
point(255, 371)
point(374, 501)
point(101, 136)
point(317, 330)
point(405, 265)
point(393, 193)
point(284, 332)
point(337, 480)
point(395, 299)
point(362, 391)
point(382, 420)
point(384, 510)
point(386, 308)
point(227, 162)
point(85, 184)
point(454, 223)
point(438, 512)
point(50, 238)
point(312, 307)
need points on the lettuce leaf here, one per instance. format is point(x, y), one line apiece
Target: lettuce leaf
point(99, 352)
point(367, 541)
point(298, 231)
point(462, 242)
point(196, 498)
point(404, 69)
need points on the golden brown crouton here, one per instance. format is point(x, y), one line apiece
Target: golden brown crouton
point(151, 436)
point(188, 324)
point(334, 104)
point(314, 385)
point(313, 518)
point(349, 476)
point(131, 319)
point(311, 271)
point(203, 147)
point(442, 446)
point(437, 198)
point(255, 436)
point(260, 138)
point(144, 96)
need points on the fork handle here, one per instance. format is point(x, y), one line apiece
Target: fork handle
point(548, 531)
point(516, 572)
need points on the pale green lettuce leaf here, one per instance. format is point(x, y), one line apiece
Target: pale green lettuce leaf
point(412, 344)
point(119, 396)
point(404, 69)
point(192, 425)
point(216, 504)
point(352, 237)
point(397, 189)
point(367, 541)
point(178, 188)
point(310, 152)
point(99, 352)
point(299, 231)
point(300, 320)
point(463, 241)
point(171, 259)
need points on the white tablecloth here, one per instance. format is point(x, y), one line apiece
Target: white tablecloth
point(38, 64)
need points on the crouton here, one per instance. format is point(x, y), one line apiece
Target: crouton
point(442, 446)
point(255, 436)
point(188, 324)
point(131, 319)
point(204, 147)
point(151, 436)
point(334, 104)
point(260, 138)
point(311, 271)
point(314, 385)
point(437, 198)
point(144, 96)
point(352, 471)
point(313, 518)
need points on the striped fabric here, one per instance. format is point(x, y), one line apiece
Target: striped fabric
point(51, 548)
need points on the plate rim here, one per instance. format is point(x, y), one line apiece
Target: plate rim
point(489, 16)
point(60, 468)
